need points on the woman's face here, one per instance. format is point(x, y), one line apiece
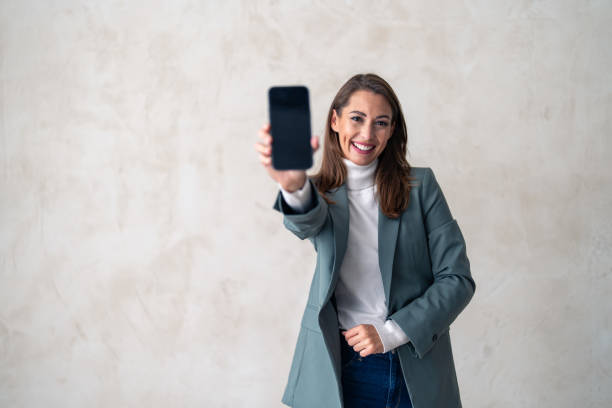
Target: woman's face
point(364, 126)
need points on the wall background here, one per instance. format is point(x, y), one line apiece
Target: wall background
point(141, 263)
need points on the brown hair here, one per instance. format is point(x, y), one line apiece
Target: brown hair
point(392, 175)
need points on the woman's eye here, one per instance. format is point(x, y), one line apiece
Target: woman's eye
point(356, 118)
point(381, 123)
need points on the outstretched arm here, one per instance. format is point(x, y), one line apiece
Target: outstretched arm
point(298, 200)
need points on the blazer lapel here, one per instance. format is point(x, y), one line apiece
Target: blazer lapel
point(387, 240)
point(340, 218)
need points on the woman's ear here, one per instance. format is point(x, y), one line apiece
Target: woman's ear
point(334, 121)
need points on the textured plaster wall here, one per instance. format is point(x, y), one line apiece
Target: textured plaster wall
point(141, 263)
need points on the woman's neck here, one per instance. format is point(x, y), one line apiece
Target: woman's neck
point(360, 177)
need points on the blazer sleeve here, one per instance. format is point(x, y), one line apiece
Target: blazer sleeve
point(303, 225)
point(430, 315)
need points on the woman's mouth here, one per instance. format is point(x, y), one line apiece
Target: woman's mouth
point(362, 148)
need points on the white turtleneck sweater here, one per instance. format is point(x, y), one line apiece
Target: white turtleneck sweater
point(360, 296)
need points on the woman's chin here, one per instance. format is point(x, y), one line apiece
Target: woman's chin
point(361, 160)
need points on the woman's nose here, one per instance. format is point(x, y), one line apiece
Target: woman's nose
point(367, 131)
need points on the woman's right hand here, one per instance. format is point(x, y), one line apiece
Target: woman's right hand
point(290, 180)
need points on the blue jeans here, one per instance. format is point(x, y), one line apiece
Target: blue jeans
point(375, 381)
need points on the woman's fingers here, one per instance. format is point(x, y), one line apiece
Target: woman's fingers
point(264, 146)
point(264, 149)
point(364, 348)
point(314, 142)
point(266, 138)
point(364, 339)
point(264, 134)
point(265, 154)
point(266, 161)
point(367, 351)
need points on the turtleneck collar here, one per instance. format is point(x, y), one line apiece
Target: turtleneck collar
point(359, 177)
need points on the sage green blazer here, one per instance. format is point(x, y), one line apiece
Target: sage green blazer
point(427, 283)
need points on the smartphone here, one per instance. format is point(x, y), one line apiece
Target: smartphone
point(290, 127)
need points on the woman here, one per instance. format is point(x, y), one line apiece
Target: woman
point(392, 272)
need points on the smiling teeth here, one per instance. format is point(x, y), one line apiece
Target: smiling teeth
point(362, 147)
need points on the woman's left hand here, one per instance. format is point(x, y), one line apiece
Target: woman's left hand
point(364, 339)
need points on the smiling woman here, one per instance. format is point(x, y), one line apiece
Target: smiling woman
point(392, 271)
point(367, 112)
point(365, 126)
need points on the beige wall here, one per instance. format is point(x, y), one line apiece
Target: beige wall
point(141, 263)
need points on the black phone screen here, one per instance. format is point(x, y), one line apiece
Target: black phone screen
point(290, 127)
